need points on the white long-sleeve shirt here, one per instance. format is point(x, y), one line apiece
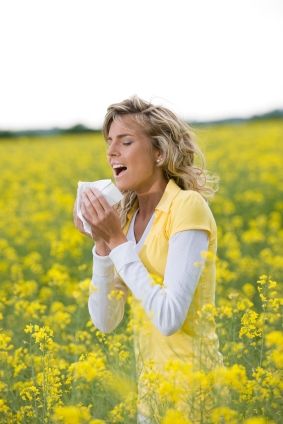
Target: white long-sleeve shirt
point(166, 305)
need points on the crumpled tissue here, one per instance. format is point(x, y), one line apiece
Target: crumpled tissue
point(111, 193)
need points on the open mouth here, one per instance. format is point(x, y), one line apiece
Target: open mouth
point(120, 170)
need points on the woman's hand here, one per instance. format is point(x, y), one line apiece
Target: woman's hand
point(103, 219)
point(101, 247)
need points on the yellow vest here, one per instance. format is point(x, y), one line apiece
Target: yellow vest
point(196, 342)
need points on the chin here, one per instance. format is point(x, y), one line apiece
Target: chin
point(122, 185)
point(125, 186)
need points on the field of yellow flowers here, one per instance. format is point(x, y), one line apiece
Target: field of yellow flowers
point(56, 367)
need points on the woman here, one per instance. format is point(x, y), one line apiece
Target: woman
point(163, 228)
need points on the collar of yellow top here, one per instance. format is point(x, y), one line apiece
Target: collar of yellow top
point(170, 192)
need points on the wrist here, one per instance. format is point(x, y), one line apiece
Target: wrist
point(101, 248)
point(117, 241)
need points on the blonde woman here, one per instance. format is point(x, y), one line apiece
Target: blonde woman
point(162, 227)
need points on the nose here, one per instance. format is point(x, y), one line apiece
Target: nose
point(113, 150)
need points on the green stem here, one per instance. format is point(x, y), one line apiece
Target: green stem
point(262, 342)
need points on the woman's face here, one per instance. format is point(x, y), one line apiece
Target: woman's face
point(131, 155)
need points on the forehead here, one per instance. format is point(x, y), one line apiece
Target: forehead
point(125, 125)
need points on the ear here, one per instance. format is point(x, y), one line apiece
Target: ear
point(157, 154)
point(158, 159)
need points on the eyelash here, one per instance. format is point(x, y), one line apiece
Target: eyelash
point(126, 143)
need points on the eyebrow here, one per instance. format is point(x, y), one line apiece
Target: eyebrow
point(121, 136)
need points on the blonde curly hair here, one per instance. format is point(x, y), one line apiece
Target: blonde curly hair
point(174, 138)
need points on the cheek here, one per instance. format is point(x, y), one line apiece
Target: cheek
point(143, 164)
point(142, 159)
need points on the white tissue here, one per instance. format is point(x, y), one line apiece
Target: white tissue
point(111, 193)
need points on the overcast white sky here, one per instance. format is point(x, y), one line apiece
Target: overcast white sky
point(64, 61)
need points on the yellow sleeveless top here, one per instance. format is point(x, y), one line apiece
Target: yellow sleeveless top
point(196, 342)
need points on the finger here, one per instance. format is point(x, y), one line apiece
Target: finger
point(80, 225)
point(94, 233)
point(106, 206)
point(86, 214)
point(95, 199)
point(89, 205)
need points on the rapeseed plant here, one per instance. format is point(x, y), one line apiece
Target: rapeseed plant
point(56, 367)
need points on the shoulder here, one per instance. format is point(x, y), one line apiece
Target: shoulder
point(189, 194)
point(190, 198)
point(190, 210)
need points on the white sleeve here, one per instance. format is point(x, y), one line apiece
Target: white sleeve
point(166, 305)
point(106, 311)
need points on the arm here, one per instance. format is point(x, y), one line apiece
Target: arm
point(106, 313)
point(170, 303)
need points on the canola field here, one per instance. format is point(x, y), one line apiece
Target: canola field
point(56, 367)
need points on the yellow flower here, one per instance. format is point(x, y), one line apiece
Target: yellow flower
point(29, 393)
point(43, 336)
point(263, 279)
point(173, 416)
point(74, 415)
point(258, 420)
point(234, 377)
point(244, 304)
point(4, 409)
point(116, 294)
point(168, 391)
point(28, 329)
point(208, 255)
point(156, 279)
point(251, 325)
point(5, 342)
point(92, 367)
point(249, 290)
point(274, 338)
point(225, 311)
point(225, 415)
point(124, 410)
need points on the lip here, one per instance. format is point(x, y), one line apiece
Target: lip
point(116, 163)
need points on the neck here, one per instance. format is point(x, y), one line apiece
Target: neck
point(149, 198)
